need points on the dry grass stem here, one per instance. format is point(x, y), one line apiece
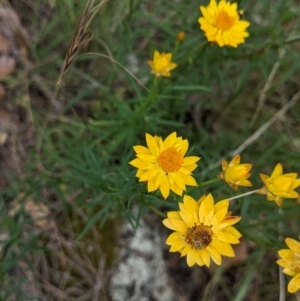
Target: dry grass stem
point(119, 64)
point(263, 93)
point(81, 36)
point(260, 131)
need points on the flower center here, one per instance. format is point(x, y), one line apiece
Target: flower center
point(170, 160)
point(224, 21)
point(199, 236)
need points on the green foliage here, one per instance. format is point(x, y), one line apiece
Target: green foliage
point(81, 152)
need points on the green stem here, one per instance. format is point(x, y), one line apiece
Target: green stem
point(193, 51)
point(206, 183)
point(149, 99)
point(161, 214)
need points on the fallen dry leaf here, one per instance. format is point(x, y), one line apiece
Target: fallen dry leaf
point(14, 40)
point(12, 30)
point(7, 65)
point(4, 44)
point(40, 214)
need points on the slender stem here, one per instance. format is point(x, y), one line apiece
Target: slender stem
point(206, 183)
point(158, 212)
point(149, 99)
point(281, 275)
point(281, 285)
point(242, 195)
point(193, 51)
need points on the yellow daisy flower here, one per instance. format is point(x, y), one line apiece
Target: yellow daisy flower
point(163, 165)
point(203, 231)
point(234, 173)
point(290, 261)
point(161, 64)
point(221, 23)
point(279, 185)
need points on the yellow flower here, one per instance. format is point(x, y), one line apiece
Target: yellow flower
point(221, 23)
point(278, 185)
point(161, 64)
point(234, 173)
point(290, 261)
point(203, 231)
point(163, 164)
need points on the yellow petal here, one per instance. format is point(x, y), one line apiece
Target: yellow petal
point(164, 187)
point(170, 140)
point(174, 176)
point(189, 202)
point(187, 179)
point(227, 221)
point(138, 163)
point(236, 160)
point(179, 225)
point(294, 284)
point(151, 185)
point(285, 254)
point(184, 145)
point(208, 218)
point(168, 224)
point(139, 149)
point(205, 207)
point(190, 160)
point(200, 261)
point(264, 178)
point(293, 244)
point(226, 237)
point(140, 172)
point(214, 254)
point(187, 218)
point(223, 248)
point(186, 250)
point(172, 238)
point(205, 256)
point(191, 257)
point(289, 272)
point(152, 145)
point(277, 171)
point(286, 263)
point(232, 231)
point(160, 177)
point(174, 214)
point(149, 174)
point(147, 157)
point(221, 211)
point(175, 188)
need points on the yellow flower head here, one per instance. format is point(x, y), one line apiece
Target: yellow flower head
point(163, 165)
point(202, 230)
point(221, 23)
point(290, 261)
point(234, 173)
point(161, 64)
point(278, 185)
